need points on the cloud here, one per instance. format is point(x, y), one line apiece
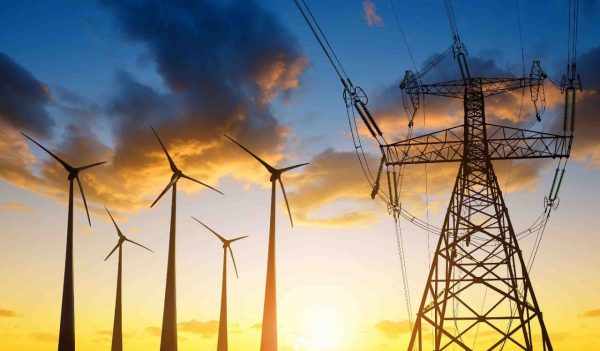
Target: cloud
point(330, 176)
point(228, 62)
point(104, 332)
point(333, 185)
point(370, 14)
point(205, 329)
point(592, 313)
point(8, 313)
point(345, 219)
point(586, 142)
point(154, 331)
point(14, 206)
point(45, 337)
point(393, 329)
point(23, 99)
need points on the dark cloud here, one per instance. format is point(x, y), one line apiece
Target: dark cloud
point(586, 142)
point(23, 99)
point(222, 65)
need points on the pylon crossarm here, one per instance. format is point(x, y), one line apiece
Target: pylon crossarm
point(456, 88)
point(495, 86)
point(452, 88)
point(506, 143)
point(440, 146)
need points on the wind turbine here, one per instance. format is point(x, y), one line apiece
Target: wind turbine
point(222, 344)
point(66, 338)
point(268, 340)
point(168, 340)
point(117, 337)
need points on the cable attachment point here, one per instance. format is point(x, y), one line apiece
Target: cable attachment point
point(410, 95)
point(357, 98)
point(536, 88)
point(551, 204)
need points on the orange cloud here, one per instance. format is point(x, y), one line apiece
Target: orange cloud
point(105, 332)
point(592, 313)
point(8, 313)
point(205, 329)
point(393, 329)
point(370, 14)
point(14, 206)
point(45, 337)
point(154, 331)
point(280, 75)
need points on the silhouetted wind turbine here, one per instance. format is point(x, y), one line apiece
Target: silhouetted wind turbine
point(168, 340)
point(66, 338)
point(222, 344)
point(117, 337)
point(269, 326)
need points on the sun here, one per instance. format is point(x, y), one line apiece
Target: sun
point(323, 329)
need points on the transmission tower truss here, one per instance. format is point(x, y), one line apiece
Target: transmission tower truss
point(489, 86)
point(478, 295)
point(503, 143)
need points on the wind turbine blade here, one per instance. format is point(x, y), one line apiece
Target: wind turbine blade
point(236, 239)
point(84, 202)
point(171, 163)
point(133, 242)
point(65, 165)
point(286, 202)
point(90, 166)
point(234, 265)
point(292, 167)
point(212, 231)
point(113, 250)
point(115, 223)
point(199, 182)
point(173, 181)
point(267, 166)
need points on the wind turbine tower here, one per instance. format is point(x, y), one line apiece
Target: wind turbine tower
point(66, 338)
point(117, 337)
point(222, 344)
point(269, 326)
point(168, 340)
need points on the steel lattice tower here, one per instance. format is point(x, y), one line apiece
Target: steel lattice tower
point(478, 256)
point(478, 294)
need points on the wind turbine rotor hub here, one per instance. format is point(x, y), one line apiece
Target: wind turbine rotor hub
point(275, 176)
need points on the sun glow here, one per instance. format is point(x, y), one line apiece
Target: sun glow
point(322, 329)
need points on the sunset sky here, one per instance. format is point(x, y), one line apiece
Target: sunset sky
point(88, 79)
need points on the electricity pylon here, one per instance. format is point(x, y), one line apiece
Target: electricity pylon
point(478, 282)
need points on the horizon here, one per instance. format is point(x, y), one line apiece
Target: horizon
point(91, 81)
